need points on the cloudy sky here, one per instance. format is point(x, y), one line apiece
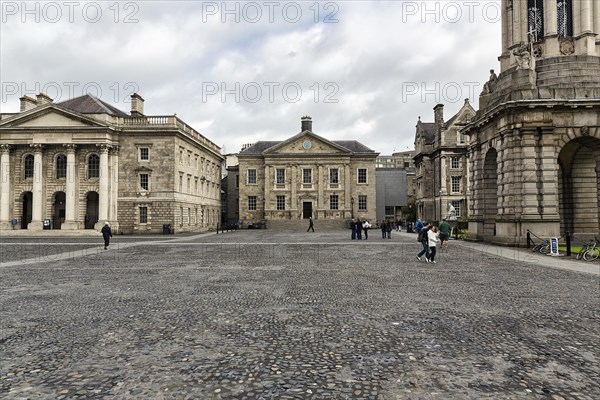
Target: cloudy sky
point(240, 72)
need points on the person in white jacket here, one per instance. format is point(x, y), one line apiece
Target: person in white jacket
point(433, 236)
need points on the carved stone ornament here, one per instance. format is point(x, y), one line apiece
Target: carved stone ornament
point(585, 131)
point(538, 50)
point(567, 47)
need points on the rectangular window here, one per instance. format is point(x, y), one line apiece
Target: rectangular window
point(281, 176)
point(237, 181)
point(143, 215)
point(334, 202)
point(462, 138)
point(307, 175)
point(281, 202)
point(456, 205)
point(144, 181)
point(251, 177)
point(195, 185)
point(251, 203)
point(362, 175)
point(456, 184)
point(455, 162)
point(389, 211)
point(144, 153)
point(180, 183)
point(61, 166)
point(189, 215)
point(334, 176)
point(189, 186)
point(362, 203)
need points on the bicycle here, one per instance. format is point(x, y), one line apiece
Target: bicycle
point(593, 252)
point(584, 249)
point(543, 247)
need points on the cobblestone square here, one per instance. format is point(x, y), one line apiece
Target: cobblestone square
point(274, 315)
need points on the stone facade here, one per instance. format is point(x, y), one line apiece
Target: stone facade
point(441, 165)
point(535, 142)
point(306, 176)
point(82, 162)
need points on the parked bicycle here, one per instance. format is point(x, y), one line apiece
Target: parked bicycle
point(592, 251)
point(543, 247)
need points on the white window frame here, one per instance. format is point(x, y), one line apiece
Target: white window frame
point(362, 202)
point(145, 214)
point(334, 202)
point(366, 182)
point(337, 180)
point(310, 182)
point(252, 204)
point(140, 149)
point(277, 182)
point(140, 176)
point(277, 203)
point(452, 160)
point(255, 176)
point(458, 183)
point(457, 204)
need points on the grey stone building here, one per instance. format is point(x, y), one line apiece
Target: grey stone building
point(306, 176)
point(82, 162)
point(535, 142)
point(392, 193)
point(441, 176)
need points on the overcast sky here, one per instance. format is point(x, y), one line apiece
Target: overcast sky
point(240, 72)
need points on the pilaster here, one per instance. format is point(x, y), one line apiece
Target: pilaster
point(103, 195)
point(5, 189)
point(71, 190)
point(38, 187)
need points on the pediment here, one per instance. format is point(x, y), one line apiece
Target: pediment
point(50, 117)
point(306, 143)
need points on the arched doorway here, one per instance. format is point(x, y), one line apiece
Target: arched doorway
point(579, 187)
point(91, 210)
point(490, 193)
point(58, 210)
point(27, 199)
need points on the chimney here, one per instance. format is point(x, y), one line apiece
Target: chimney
point(306, 123)
point(439, 114)
point(27, 103)
point(137, 105)
point(43, 98)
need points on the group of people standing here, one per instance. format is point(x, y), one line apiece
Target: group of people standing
point(429, 236)
point(358, 227)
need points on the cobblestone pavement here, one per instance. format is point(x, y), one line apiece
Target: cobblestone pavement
point(271, 315)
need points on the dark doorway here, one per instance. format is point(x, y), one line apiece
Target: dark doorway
point(307, 210)
point(58, 216)
point(26, 215)
point(91, 210)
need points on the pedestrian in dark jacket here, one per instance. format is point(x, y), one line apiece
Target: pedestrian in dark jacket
point(106, 234)
point(388, 231)
point(311, 225)
point(424, 239)
point(358, 229)
point(383, 227)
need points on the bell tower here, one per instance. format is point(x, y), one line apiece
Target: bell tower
point(550, 28)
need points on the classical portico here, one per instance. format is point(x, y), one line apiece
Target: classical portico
point(533, 152)
point(60, 169)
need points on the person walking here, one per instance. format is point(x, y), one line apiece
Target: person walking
point(106, 234)
point(388, 231)
point(424, 240)
point(445, 230)
point(311, 225)
point(353, 226)
point(383, 227)
point(432, 235)
point(419, 225)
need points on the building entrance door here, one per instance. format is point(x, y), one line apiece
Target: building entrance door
point(307, 210)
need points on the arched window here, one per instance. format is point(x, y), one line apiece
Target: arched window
point(535, 20)
point(93, 166)
point(61, 166)
point(28, 166)
point(565, 18)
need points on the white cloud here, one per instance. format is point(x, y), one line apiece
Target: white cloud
point(174, 52)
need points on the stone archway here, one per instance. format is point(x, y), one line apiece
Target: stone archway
point(579, 187)
point(27, 201)
point(490, 193)
point(91, 209)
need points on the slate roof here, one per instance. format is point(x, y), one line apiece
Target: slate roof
point(428, 131)
point(88, 104)
point(352, 145)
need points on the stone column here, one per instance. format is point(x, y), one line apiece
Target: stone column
point(71, 193)
point(347, 192)
point(114, 192)
point(443, 175)
point(267, 184)
point(294, 172)
point(38, 186)
point(321, 203)
point(586, 38)
point(103, 195)
point(585, 13)
point(5, 189)
point(551, 47)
